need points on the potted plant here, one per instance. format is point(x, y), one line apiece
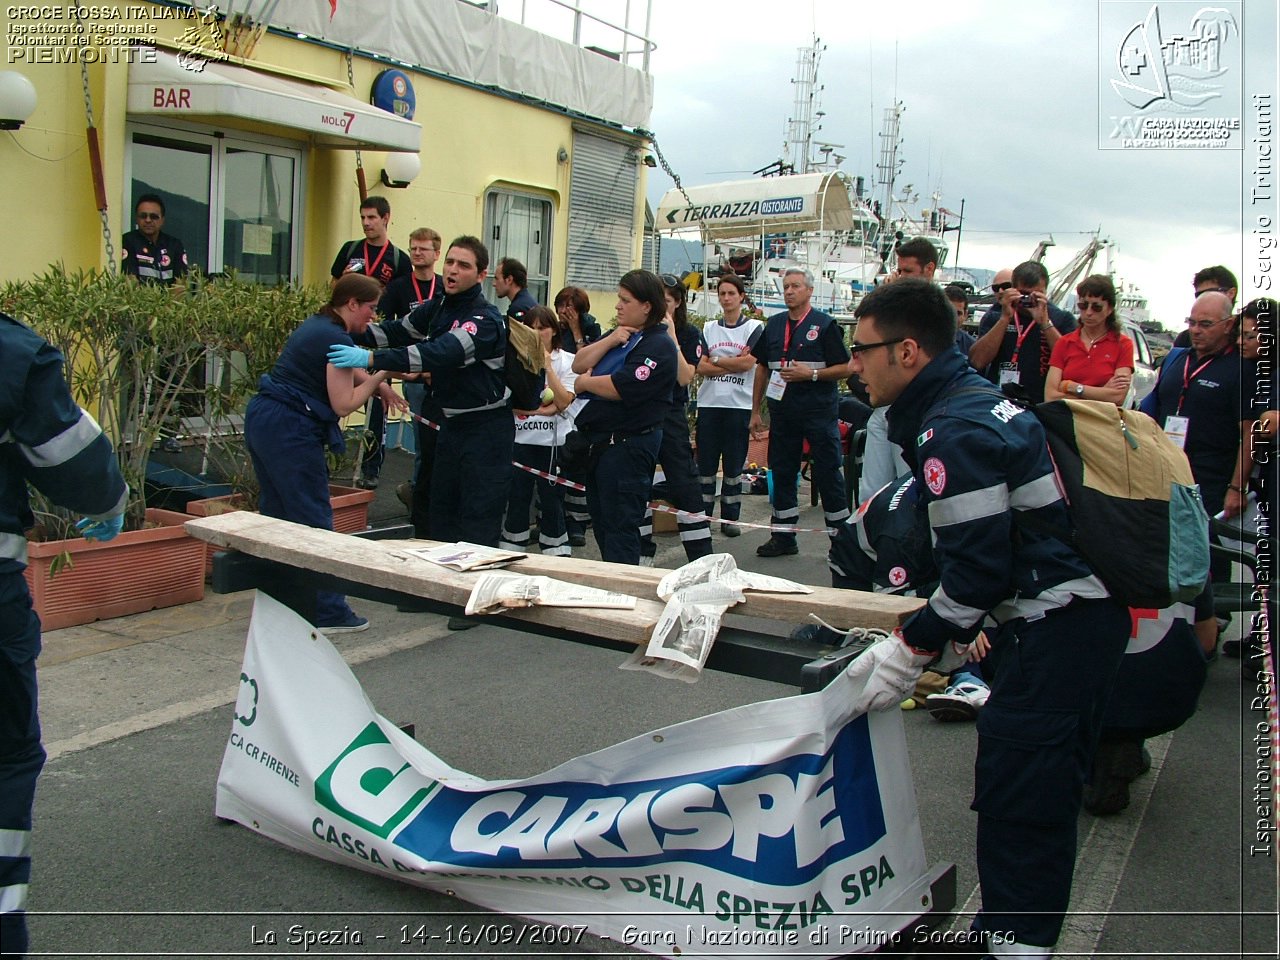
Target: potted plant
point(130, 352)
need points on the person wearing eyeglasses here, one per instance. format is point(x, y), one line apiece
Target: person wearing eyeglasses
point(1200, 402)
point(1014, 346)
point(799, 361)
point(1215, 279)
point(979, 458)
point(148, 253)
point(1094, 361)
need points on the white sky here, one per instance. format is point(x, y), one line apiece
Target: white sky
point(1002, 101)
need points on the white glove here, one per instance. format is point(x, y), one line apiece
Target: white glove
point(885, 674)
point(953, 657)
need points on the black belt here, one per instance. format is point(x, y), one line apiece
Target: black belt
point(614, 436)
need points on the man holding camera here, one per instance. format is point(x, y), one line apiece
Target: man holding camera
point(1014, 345)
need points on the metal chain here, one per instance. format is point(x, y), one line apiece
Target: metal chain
point(112, 266)
point(666, 167)
point(351, 81)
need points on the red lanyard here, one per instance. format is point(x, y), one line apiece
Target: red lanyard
point(417, 290)
point(370, 267)
point(1188, 375)
point(1022, 335)
point(786, 335)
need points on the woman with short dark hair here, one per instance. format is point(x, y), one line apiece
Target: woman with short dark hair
point(628, 375)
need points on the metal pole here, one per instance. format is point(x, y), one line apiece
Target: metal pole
point(959, 234)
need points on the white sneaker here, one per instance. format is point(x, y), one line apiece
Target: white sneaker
point(961, 701)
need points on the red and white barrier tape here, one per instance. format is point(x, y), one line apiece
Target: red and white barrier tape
point(681, 515)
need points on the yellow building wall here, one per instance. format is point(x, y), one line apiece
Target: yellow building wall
point(472, 141)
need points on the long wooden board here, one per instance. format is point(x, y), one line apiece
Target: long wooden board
point(840, 608)
point(384, 563)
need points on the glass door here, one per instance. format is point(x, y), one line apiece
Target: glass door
point(179, 172)
point(519, 225)
point(258, 213)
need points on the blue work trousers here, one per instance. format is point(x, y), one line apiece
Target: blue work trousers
point(21, 755)
point(287, 448)
point(680, 487)
point(471, 477)
point(374, 451)
point(553, 539)
point(723, 436)
point(618, 485)
point(790, 425)
point(1050, 679)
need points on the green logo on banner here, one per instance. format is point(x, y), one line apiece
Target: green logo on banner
point(371, 785)
point(247, 701)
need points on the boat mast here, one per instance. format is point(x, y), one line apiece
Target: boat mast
point(797, 150)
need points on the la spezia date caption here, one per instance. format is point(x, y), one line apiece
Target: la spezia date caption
point(497, 933)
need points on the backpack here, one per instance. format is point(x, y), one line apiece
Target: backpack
point(1136, 514)
point(1136, 510)
point(525, 365)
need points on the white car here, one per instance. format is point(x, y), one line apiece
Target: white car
point(1144, 368)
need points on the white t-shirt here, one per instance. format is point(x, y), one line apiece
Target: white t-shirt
point(550, 431)
point(730, 389)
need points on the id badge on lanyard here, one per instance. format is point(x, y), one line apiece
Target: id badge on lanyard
point(1176, 429)
point(1009, 374)
point(777, 386)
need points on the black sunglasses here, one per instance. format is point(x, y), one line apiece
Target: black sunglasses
point(1001, 287)
point(150, 216)
point(670, 279)
point(856, 348)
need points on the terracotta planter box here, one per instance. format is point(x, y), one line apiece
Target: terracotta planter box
point(350, 512)
point(139, 570)
point(758, 451)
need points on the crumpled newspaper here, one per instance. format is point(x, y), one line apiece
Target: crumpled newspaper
point(697, 595)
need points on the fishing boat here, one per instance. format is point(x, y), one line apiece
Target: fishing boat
point(804, 211)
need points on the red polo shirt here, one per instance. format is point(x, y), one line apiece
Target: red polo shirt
point(1092, 366)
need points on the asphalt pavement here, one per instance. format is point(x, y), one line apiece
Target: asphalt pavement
point(130, 860)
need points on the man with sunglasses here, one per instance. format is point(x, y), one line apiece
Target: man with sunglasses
point(978, 459)
point(1014, 345)
point(149, 253)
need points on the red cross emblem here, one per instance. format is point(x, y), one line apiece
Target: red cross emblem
point(935, 475)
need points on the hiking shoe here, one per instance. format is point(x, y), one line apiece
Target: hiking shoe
point(354, 623)
point(960, 702)
point(730, 530)
point(577, 539)
point(367, 483)
point(462, 623)
point(404, 493)
point(777, 547)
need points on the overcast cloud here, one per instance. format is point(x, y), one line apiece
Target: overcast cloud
point(1002, 104)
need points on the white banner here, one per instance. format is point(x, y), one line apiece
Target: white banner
point(788, 825)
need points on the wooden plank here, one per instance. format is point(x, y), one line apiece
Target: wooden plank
point(840, 608)
point(374, 563)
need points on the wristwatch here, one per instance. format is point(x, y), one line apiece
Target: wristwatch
point(813, 375)
point(715, 361)
point(1079, 389)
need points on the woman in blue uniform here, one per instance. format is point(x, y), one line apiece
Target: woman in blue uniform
point(295, 415)
point(580, 328)
point(629, 375)
point(680, 483)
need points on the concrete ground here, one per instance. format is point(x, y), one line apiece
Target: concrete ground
point(130, 861)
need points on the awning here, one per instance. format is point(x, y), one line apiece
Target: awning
point(743, 208)
point(164, 88)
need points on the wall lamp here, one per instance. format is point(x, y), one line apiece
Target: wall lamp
point(17, 99)
point(649, 161)
point(399, 169)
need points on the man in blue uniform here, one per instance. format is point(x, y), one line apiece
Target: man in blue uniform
point(980, 460)
point(404, 295)
point(511, 282)
point(799, 360)
point(374, 256)
point(149, 253)
point(461, 340)
point(1014, 344)
point(50, 443)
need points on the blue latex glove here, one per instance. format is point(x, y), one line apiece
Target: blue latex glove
point(345, 357)
point(101, 530)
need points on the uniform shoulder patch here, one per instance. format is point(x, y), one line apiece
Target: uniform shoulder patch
point(935, 475)
point(924, 437)
point(812, 334)
point(642, 373)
